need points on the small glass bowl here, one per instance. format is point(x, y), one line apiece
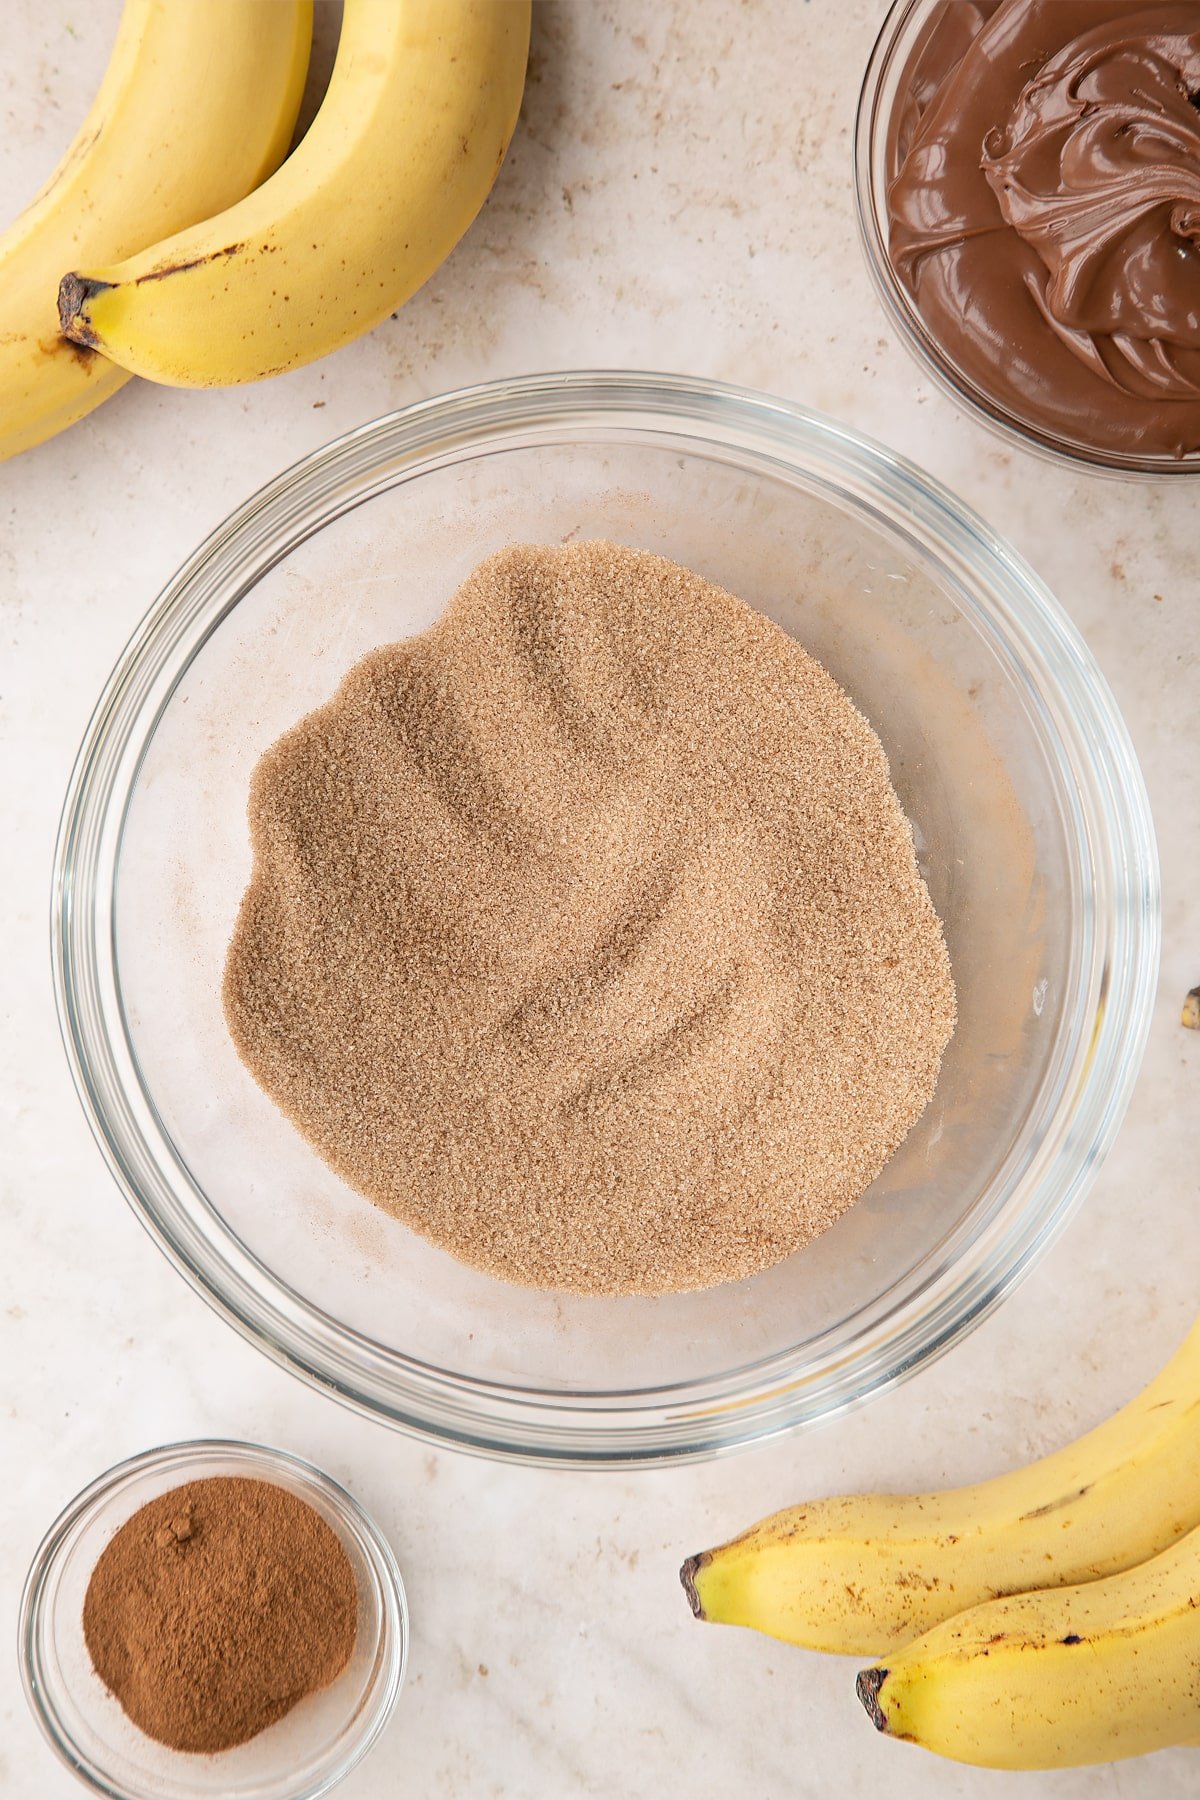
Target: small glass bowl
point(883, 90)
point(1031, 825)
point(304, 1754)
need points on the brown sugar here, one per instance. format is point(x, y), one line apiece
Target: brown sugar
point(216, 1608)
point(585, 932)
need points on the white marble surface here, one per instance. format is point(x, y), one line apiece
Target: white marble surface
point(678, 196)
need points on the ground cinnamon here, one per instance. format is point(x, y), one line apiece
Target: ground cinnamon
point(586, 933)
point(216, 1608)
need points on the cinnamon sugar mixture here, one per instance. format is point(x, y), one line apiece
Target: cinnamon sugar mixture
point(585, 932)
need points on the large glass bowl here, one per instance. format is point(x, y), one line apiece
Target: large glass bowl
point(1031, 824)
point(883, 104)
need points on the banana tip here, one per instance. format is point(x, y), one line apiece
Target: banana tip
point(74, 292)
point(867, 1688)
point(687, 1576)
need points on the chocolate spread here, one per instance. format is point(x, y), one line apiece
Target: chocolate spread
point(1045, 212)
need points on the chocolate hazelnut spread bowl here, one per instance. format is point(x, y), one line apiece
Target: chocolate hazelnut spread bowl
point(1028, 180)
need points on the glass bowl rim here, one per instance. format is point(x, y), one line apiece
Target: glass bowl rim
point(909, 325)
point(685, 1421)
point(256, 1460)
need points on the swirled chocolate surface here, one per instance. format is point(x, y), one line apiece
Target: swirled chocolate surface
point(1045, 212)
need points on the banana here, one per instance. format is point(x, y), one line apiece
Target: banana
point(420, 108)
point(197, 105)
point(1055, 1679)
point(861, 1574)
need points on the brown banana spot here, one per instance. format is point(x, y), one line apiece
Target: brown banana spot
point(51, 349)
point(194, 262)
point(1040, 1512)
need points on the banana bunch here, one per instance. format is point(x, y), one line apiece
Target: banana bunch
point(197, 107)
point(1055, 1679)
point(1047, 1618)
point(174, 241)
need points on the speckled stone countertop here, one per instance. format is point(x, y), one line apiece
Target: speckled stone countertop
point(678, 196)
